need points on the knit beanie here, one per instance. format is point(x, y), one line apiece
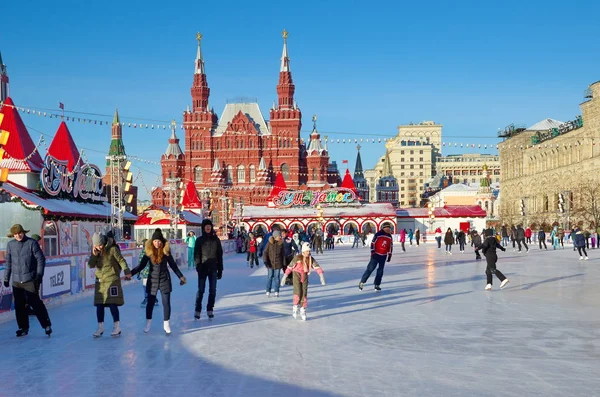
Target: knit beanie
point(305, 247)
point(98, 239)
point(276, 233)
point(157, 235)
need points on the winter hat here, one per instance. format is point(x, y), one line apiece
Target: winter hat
point(157, 235)
point(488, 233)
point(276, 233)
point(386, 225)
point(16, 229)
point(98, 239)
point(305, 247)
point(206, 222)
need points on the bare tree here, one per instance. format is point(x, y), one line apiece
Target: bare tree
point(585, 204)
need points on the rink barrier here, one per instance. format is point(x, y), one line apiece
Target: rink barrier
point(67, 277)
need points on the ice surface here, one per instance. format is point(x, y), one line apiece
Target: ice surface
point(432, 331)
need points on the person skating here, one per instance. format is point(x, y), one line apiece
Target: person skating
point(108, 292)
point(381, 248)
point(528, 235)
point(25, 262)
point(418, 236)
point(158, 255)
point(488, 248)
point(438, 236)
point(300, 268)
point(521, 238)
point(579, 243)
point(208, 256)
point(274, 258)
point(402, 238)
point(410, 236)
point(476, 241)
point(252, 257)
point(542, 238)
point(460, 239)
point(449, 241)
point(190, 240)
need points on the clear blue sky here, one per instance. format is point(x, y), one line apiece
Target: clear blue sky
point(362, 67)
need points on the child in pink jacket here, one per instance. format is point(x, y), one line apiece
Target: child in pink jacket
point(301, 267)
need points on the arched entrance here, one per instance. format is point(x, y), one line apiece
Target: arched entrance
point(259, 230)
point(296, 227)
point(332, 227)
point(350, 227)
point(369, 227)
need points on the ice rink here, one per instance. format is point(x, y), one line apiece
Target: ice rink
point(432, 331)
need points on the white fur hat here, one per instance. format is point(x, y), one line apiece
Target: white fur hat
point(305, 247)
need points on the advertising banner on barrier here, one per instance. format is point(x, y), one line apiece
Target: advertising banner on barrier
point(57, 279)
point(90, 274)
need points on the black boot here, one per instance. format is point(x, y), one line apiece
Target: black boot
point(22, 332)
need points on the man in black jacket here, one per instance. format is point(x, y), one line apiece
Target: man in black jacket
point(208, 256)
point(25, 261)
point(521, 238)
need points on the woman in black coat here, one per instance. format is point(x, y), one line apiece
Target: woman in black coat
point(449, 240)
point(489, 250)
point(158, 256)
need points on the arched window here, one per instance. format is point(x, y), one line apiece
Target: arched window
point(198, 174)
point(285, 171)
point(241, 174)
point(251, 144)
point(314, 174)
point(229, 174)
point(202, 145)
point(228, 144)
point(252, 173)
point(218, 145)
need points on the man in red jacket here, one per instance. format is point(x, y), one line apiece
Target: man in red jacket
point(381, 248)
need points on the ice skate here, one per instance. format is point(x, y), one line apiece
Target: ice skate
point(48, 330)
point(197, 315)
point(361, 285)
point(147, 327)
point(586, 258)
point(581, 258)
point(167, 327)
point(268, 294)
point(295, 312)
point(276, 294)
point(503, 283)
point(303, 314)
point(116, 329)
point(22, 332)
point(211, 315)
point(377, 288)
point(99, 331)
point(488, 287)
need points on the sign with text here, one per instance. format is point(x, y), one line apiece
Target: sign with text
point(85, 181)
point(90, 275)
point(57, 280)
point(307, 198)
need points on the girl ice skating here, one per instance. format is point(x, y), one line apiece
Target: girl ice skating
point(301, 267)
point(489, 250)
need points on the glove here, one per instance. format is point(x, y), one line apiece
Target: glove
point(389, 257)
point(39, 279)
point(219, 275)
point(282, 283)
point(6, 284)
point(182, 281)
point(322, 277)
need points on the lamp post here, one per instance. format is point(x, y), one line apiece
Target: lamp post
point(431, 216)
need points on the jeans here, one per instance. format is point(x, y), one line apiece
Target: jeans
point(114, 311)
point(355, 243)
point(377, 261)
point(461, 245)
point(580, 249)
point(505, 240)
point(273, 277)
point(543, 241)
point(23, 296)
point(448, 247)
point(166, 300)
point(253, 259)
point(212, 289)
point(439, 241)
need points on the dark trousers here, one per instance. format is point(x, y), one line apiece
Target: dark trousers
point(417, 240)
point(377, 261)
point(166, 301)
point(212, 289)
point(29, 296)
point(524, 244)
point(587, 242)
point(582, 249)
point(439, 241)
point(403, 247)
point(114, 311)
point(491, 269)
point(461, 245)
point(543, 241)
point(253, 259)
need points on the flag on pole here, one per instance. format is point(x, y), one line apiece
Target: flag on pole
point(344, 161)
point(61, 105)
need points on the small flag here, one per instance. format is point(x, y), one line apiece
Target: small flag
point(344, 161)
point(61, 105)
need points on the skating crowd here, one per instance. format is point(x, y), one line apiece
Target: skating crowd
point(284, 251)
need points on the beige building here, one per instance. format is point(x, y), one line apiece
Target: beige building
point(552, 162)
point(412, 153)
point(468, 168)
